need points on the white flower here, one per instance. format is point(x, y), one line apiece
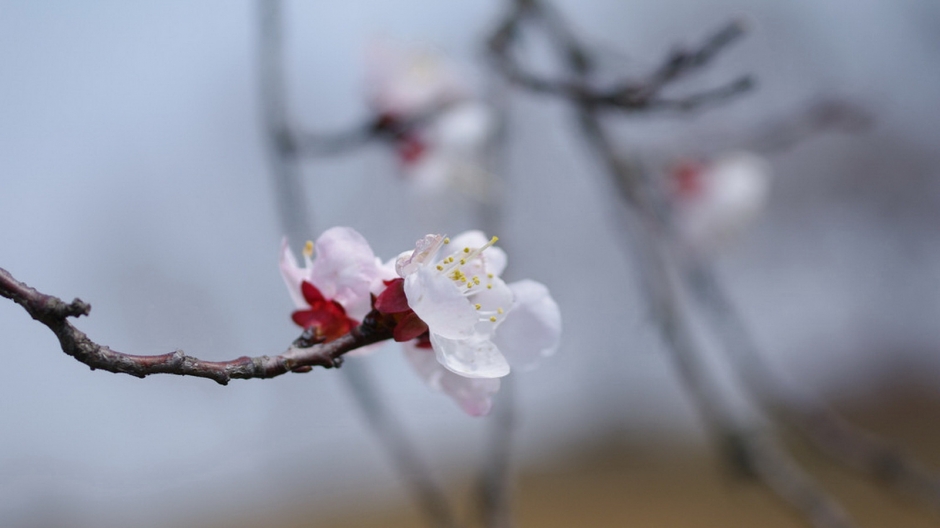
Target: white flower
point(407, 83)
point(717, 201)
point(455, 142)
point(477, 324)
point(531, 332)
point(441, 128)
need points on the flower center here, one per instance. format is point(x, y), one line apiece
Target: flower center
point(467, 268)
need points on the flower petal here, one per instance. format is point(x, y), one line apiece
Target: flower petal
point(293, 274)
point(474, 395)
point(344, 269)
point(475, 357)
point(425, 249)
point(533, 328)
point(439, 302)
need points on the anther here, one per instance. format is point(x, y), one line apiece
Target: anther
point(492, 318)
point(308, 249)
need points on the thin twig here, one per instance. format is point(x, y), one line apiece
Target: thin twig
point(300, 357)
point(629, 95)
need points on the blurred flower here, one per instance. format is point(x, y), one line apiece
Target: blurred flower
point(475, 324)
point(333, 290)
point(440, 129)
point(717, 200)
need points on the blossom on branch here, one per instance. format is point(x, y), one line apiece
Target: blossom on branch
point(333, 290)
point(475, 325)
point(439, 128)
point(717, 200)
point(461, 325)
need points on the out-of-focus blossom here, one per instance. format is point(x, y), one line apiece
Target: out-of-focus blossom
point(473, 325)
point(439, 127)
point(333, 290)
point(716, 201)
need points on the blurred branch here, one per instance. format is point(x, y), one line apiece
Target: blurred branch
point(300, 357)
point(650, 229)
point(495, 487)
point(285, 149)
point(827, 431)
point(822, 115)
point(628, 95)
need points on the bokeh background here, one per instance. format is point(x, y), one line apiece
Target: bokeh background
point(133, 174)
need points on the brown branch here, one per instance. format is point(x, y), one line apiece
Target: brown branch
point(299, 357)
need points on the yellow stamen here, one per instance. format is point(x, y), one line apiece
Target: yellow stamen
point(478, 306)
point(489, 275)
point(489, 286)
point(499, 310)
point(308, 249)
point(446, 240)
point(466, 250)
point(476, 280)
point(492, 318)
point(462, 262)
point(440, 268)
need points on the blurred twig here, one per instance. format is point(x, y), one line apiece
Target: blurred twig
point(495, 486)
point(826, 430)
point(628, 95)
point(285, 148)
point(821, 115)
point(649, 229)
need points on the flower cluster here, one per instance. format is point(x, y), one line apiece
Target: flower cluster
point(438, 126)
point(461, 325)
point(718, 199)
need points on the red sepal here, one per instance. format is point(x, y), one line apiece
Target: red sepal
point(411, 148)
point(328, 317)
point(392, 299)
point(311, 294)
point(687, 178)
point(409, 327)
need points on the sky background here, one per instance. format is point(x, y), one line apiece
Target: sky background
point(133, 175)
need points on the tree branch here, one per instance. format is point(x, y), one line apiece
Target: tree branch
point(299, 357)
point(628, 95)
